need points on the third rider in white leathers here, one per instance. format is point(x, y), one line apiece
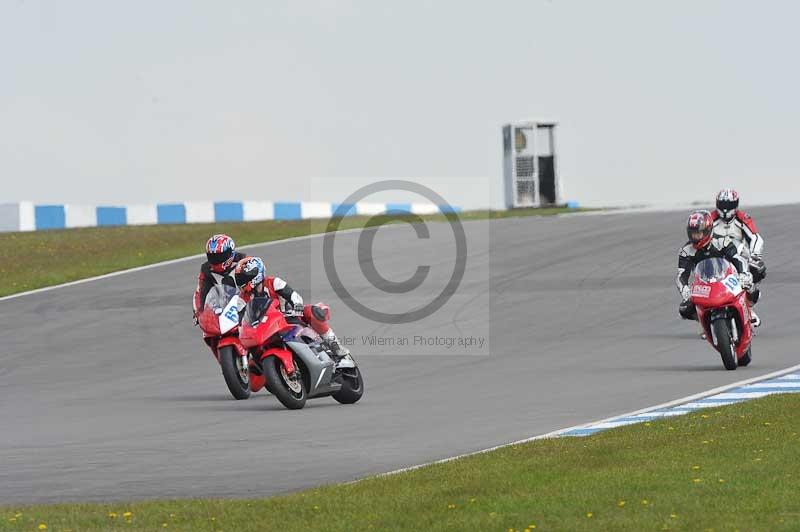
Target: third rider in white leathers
point(737, 227)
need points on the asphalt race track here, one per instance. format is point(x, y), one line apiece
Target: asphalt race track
point(107, 391)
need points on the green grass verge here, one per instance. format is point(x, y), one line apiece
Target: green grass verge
point(45, 258)
point(733, 468)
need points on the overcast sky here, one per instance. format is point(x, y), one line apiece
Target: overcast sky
point(115, 102)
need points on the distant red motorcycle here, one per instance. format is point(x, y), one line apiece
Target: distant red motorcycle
point(723, 311)
point(289, 358)
point(219, 321)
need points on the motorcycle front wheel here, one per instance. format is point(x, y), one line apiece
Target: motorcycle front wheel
point(352, 387)
point(726, 348)
point(290, 390)
point(747, 358)
point(236, 377)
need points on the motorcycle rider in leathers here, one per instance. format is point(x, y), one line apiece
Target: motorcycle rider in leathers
point(218, 269)
point(701, 246)
point(733, 225)
point(252, 280)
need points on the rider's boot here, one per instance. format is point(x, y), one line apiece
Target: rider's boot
point(330, 339)
point(754, 319)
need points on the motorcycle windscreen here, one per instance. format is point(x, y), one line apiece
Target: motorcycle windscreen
point(712, 270)
point(219, 297)
point(256, 309)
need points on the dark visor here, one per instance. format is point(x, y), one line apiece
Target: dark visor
point(219, 258)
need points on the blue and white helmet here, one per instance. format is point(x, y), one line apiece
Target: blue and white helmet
point(250, 272)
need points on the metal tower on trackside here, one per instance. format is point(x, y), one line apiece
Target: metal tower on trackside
point(529, 165)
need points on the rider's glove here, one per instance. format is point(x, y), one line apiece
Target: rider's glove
point(746, 280)
point(298, 307)
point(757, 265)
point(686, 292)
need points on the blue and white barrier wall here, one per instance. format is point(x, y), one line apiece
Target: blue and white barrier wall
point(27, 216)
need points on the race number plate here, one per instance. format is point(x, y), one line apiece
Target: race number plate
point(230, 315)
point(732, 283)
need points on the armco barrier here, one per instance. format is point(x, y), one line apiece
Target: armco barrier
point(26, 216)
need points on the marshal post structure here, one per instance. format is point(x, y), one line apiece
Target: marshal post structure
point(529, 165)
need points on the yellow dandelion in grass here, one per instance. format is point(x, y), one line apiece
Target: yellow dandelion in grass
point(621, 504)
point(12, 519)
point(705, 442)
point(671, 428)
point(473, 499)
point(722, 481)
point(766, 423)
point(589, 515)
point(532, 526)
point(697, 480)
point(164, 525)
point(112, 515)
point(42, 526)
point(18, 515)
point(695, 467)
point(213, 518)
point(492, 514)
point(704, 416)
point(451, 506)
point(674, 516)
point(647, 424)
point(645, 502)
point(127, 515)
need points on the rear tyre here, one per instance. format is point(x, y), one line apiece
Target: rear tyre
point(747, 358)
point(237, 381)
point(290, 391)
point(352, 387)
point(725, 347)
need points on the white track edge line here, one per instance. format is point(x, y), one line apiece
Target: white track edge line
point(172, 261)
point(558, 432)
point(201, 255)
point(247, 246)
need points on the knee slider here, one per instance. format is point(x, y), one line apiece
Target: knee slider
point(321, 311)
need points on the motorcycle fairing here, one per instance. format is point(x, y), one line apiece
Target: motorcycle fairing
point(320, 369)
point(718, 294)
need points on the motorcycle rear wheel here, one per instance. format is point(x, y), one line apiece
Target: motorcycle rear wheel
point(239, 388)
point(725, 347)
point(280, 384)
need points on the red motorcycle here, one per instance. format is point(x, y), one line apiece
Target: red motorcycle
point(723, 310)
point(290, 359)
point(219, 321)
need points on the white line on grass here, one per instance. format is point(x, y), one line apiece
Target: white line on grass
point(556, 433)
